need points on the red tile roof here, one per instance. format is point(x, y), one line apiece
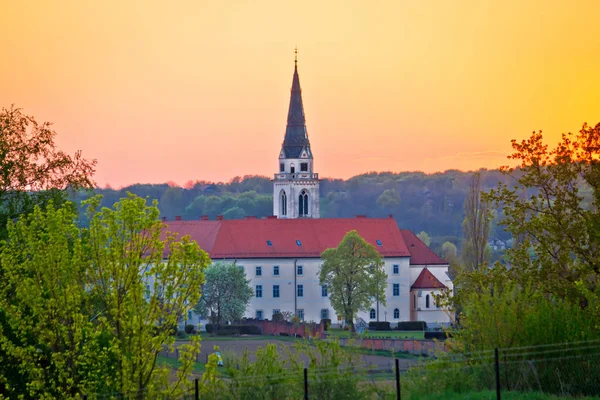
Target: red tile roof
point(247, 238)
point(420, 254)
point(426, 280)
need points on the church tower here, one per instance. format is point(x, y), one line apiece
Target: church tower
point(296, 186)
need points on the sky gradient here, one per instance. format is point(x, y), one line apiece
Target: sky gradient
point(176, 91)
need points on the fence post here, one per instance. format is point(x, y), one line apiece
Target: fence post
point(196, 390)
point(497, 368)
point(398, 395)
point(305, 383)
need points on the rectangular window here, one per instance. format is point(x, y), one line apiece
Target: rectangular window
point(324, 313)
point(395, 269)
point(324, 291)
point(259, 315)
point(275, 291)
point(300, 314)
point(300, 290)
point(282, 167)
point(299, 270)
point(396, 289)
point(276, 270)
point(303, 167)
point(258, 291)
point(276, 311)
point(258, 271)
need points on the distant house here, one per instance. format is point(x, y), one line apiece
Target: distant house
point(497, 244)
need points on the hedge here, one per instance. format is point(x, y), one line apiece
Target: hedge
point(379, 326)
point(412, 326)
point(437, 335)
point(190, 329)
point(326, 322)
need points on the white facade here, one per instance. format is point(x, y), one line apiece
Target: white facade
point(423, 304)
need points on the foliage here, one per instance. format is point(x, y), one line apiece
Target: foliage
point(226, 293)
point(88, 310)
point(379, 326)
point(424, 237)
point(476, 227)
point(354, 275)
point(32, 170)
point(51, 346)
point(277, 373)
point(189, 328)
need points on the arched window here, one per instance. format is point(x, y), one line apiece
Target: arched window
point(427, 301)
point(303, 203)
point(283, 203)
point(396, 313)
point(372, 314)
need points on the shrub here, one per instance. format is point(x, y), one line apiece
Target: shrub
point(412, 326)
point(180, 334)
point(326, 322)
point(436, 335)
point(189, 328)
point(379, 326)
point(278, 317)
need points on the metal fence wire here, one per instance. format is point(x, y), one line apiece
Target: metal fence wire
point(565, 369)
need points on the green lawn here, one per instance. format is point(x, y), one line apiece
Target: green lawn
point(199, 368)
point(208, 336)
point(491, 395)
point(380, 334)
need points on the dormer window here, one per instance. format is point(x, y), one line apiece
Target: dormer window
point(379, 242)
point(269, 243)
point(303, 167)
point(298, 243)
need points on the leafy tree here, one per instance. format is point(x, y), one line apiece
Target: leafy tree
point(388, 199)
point(476, 227)
point(354, 275)
point(552, 212)
point(226, 293)
point(51, 345)
point(424, 237)
point(139, 296)
point(32, 170)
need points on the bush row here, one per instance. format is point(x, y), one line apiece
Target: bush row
point(225, 330)
point(379, 326)
point(412, 326)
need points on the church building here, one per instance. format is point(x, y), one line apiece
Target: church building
point(281, 253)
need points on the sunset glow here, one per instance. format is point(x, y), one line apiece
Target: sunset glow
point(187, 90)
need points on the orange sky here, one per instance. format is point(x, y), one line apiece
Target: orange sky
point(174, 91)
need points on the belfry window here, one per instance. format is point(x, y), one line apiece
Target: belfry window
point(303, 167)
point(303, 204)
point(283, 203)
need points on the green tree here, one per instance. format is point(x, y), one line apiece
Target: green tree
point(354, 275)
point(32, 170)
point(388, 199)
point(424, 237)
point(139, 295)
point(476, 227)
point(51, 346)
point(226, 294)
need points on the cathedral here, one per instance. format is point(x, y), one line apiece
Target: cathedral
point(280, 254)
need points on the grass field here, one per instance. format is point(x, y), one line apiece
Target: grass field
point(340, 333)
point(491, 395)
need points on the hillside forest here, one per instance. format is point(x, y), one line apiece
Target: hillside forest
point(433, 203)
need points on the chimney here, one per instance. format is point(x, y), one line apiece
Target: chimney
point(164, 219)
point(271, 216)
point(390, 216)
point(219, 218)
point(361, 216)
point(250, 217)
point(204, 218)
point(178, 218)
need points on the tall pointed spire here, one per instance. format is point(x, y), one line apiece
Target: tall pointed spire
point(296, 136)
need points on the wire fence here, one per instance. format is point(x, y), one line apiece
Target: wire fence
point(564, 369)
